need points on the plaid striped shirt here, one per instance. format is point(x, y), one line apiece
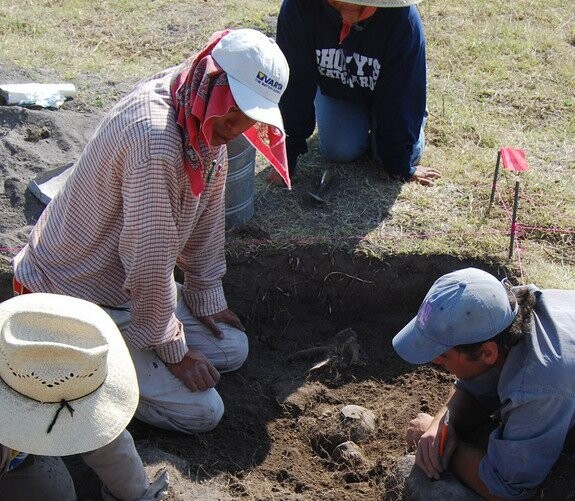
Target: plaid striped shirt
point(127, 216)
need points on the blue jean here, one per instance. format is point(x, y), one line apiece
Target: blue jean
point(345, 130)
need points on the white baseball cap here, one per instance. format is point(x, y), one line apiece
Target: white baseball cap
point(257, 71)
point(464, 307)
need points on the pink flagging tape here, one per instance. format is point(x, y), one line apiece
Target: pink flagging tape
point(548, 230)
point(513, 159)
point(503, 203)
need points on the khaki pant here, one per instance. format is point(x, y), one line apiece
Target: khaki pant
point(165, 401)
point(120, 469)
point(38, 477)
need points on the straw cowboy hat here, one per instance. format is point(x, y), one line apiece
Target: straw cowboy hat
point(67, 382)
point(384, 3)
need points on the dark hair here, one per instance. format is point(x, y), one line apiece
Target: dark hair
point(509, 337)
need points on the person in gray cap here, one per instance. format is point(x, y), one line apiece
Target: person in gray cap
point(513, 352)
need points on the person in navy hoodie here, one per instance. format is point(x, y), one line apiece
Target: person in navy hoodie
point(357, 68)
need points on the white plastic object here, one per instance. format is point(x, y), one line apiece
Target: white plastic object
point(46, 95)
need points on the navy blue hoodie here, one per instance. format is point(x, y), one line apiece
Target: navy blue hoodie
point(381, 63)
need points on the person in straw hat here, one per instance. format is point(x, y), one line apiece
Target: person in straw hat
point(513, 352)
point(147, 194)
point(357, 68)
point(67, 386)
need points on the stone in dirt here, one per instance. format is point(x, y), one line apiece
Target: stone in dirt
point(418, 487)
point(349, 453)
point(359, 421)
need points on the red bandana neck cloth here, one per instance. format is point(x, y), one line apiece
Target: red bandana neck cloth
point(201, 93)
point(271, 143)
point(346, 27)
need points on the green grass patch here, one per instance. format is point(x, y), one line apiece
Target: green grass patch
point(500, 74)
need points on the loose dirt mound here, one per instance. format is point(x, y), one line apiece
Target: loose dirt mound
point(320, 323)
point(31, 142)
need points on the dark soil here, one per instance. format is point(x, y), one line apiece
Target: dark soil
point(281, 427)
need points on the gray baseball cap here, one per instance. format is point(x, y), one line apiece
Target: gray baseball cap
point(463, 307)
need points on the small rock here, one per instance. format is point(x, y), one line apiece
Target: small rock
point(359, 421)
point(416, 486)
point(348, 453)
point(35, 134)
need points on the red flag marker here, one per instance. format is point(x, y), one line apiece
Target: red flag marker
point(514, 159)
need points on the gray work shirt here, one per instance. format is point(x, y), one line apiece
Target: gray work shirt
point(536, 392)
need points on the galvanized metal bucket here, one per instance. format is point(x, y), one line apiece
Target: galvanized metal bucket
point(240, 182)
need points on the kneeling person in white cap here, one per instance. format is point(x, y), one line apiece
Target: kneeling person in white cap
point(513, 350)
point(147, 194)
point(67, 386)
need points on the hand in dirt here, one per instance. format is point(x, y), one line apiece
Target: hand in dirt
point(227, 316)
point(425, 176)
point(427, 456)
point(275, 179)
point(195, 371)
point(418, 427)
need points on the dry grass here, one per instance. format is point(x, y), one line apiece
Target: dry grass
point(500, 74)
point(114, 42)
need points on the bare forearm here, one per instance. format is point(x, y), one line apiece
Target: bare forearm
point(433, 451)
point(465, 463)
point(464, 410)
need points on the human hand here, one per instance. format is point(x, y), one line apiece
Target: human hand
point(428, 456)
point(227, 316)
point(418, 427)
point(195, 371)
point(274, 178)
point(424, 176)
